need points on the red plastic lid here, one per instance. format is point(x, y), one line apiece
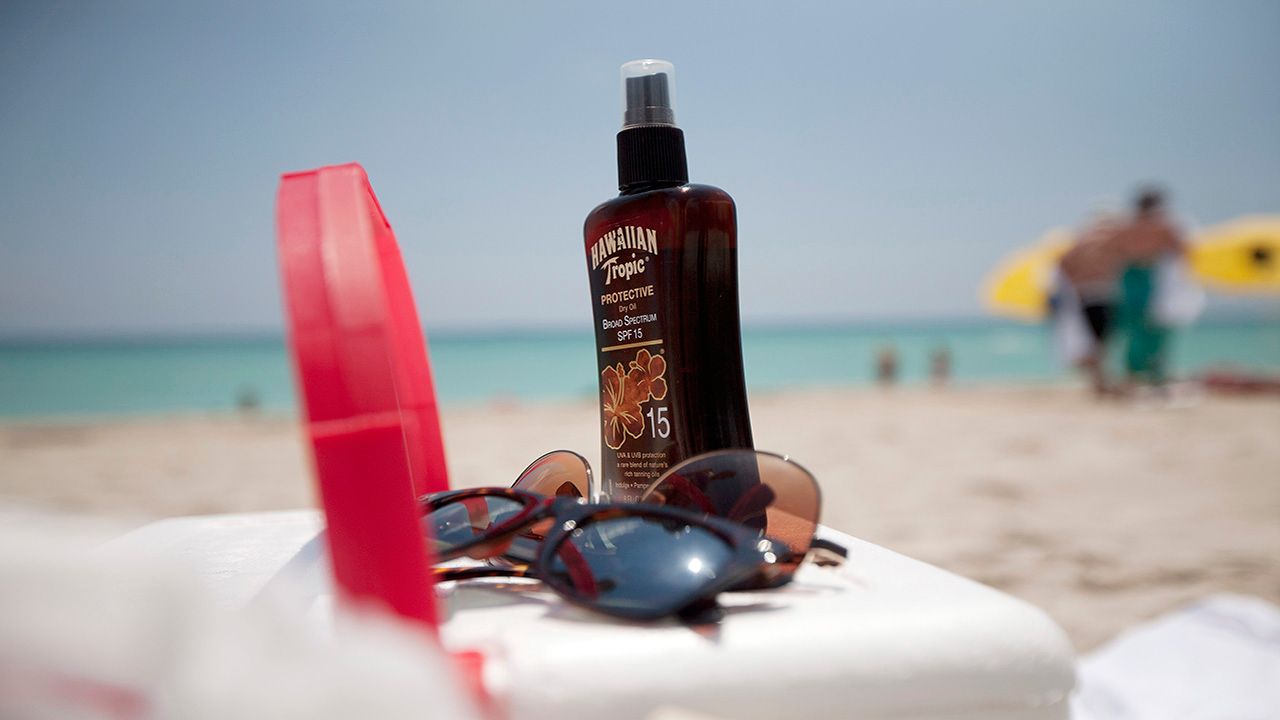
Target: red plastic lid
point(364, 382)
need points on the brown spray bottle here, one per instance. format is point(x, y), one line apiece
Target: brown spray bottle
point(662, 260)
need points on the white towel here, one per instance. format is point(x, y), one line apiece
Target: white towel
point(1217, 660)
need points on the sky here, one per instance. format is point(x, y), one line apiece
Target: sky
point(883, 155)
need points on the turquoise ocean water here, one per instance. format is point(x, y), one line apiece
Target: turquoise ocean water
point(149, 376)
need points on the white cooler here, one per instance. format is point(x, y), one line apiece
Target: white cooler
point(883, 636)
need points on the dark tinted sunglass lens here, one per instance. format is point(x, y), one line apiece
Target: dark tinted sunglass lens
point(556, 474)
point(468, 519)
point(762, 491)
point(637, 564)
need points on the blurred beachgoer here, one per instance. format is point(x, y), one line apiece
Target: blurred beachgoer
point(247, 400)
point(940, 365)
point(886, 365)
point(1092, 268)
point(1147, 238)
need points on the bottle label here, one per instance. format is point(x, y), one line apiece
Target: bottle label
point(636, 416)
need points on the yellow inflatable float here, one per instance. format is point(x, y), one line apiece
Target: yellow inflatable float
point(1241, 256)
point(1019, 286)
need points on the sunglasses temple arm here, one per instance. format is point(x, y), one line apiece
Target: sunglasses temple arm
point(445, 574)
point(824, 552)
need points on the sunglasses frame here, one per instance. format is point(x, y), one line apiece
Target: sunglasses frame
point(822, 552)
point(753, 556)
point(795, 557)
point(592, 494)
point(817, 487)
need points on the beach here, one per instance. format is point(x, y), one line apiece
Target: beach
point(1103, 514)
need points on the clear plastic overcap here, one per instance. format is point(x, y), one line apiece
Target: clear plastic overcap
point(648, 93)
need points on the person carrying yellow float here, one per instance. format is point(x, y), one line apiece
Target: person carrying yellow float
point(1088, 287)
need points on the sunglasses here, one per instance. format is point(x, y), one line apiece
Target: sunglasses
point(635, 561)
point(765, 491)
point(768, 495)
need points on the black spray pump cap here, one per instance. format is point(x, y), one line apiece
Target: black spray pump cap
point(648, 88)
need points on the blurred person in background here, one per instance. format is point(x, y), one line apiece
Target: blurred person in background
point(1092, 267)
point(886, 366)
point(940, 366)
point(1147, 239)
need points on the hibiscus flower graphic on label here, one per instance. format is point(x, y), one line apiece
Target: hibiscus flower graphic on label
point(620, 394)
point(652, 369)
point(624, 390)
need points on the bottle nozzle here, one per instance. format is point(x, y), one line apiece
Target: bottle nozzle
point(648, 88)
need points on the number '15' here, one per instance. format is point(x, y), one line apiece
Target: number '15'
point(659, 425)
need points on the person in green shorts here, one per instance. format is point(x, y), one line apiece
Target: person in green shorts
point(1147, 238)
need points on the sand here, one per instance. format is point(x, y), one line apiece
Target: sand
point(1102, 514)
